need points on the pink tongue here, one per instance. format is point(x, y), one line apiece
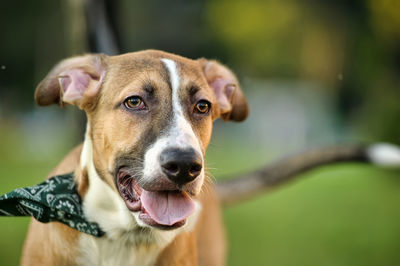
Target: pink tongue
point(167, 207)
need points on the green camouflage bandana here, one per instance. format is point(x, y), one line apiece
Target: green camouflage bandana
point(56, 199)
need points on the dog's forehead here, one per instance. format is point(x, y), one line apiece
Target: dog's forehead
point(150, 64)
point(152, 73)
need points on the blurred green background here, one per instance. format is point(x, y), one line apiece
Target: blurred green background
point(315, 73)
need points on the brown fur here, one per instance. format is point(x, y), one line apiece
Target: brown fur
point(56, 243)
point(115, 132)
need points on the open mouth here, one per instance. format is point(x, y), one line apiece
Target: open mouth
point(164, 209)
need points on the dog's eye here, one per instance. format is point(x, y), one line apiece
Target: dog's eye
point(203, 107)
point(134, 103)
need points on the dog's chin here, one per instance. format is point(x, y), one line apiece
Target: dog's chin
point(136, 199)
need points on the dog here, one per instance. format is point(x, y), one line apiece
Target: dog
point(140, 171)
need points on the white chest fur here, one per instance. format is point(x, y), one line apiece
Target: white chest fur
point(106, 252)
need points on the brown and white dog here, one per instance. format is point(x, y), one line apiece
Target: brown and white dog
point(140, 170)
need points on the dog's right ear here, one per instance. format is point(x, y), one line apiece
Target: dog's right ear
point(75, 81)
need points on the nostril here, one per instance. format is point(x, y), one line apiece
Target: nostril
point(195, 170)
point(181, 166)
point(171, 167)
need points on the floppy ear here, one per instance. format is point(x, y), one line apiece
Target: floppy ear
point(231, 101)
point(76, 80)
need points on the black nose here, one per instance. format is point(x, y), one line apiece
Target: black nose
point(181, 165)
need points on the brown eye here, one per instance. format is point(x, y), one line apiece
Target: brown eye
point(134, 103)
point(203, 107)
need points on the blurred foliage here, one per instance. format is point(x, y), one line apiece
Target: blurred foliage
point(349, 49)
point(386, 19)
point(257, 33)
point(32, 39)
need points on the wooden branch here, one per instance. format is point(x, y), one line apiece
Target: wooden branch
point(272, 175)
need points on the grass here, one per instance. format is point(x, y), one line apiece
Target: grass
point(339, 215)
point(13, 229)
point(19, 167)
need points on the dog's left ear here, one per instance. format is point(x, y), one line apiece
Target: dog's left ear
point(75, 81)
point(231, 100)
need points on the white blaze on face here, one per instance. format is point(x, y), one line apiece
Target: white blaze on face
point(180, 133)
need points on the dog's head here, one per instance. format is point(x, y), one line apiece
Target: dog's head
point(150, 118)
